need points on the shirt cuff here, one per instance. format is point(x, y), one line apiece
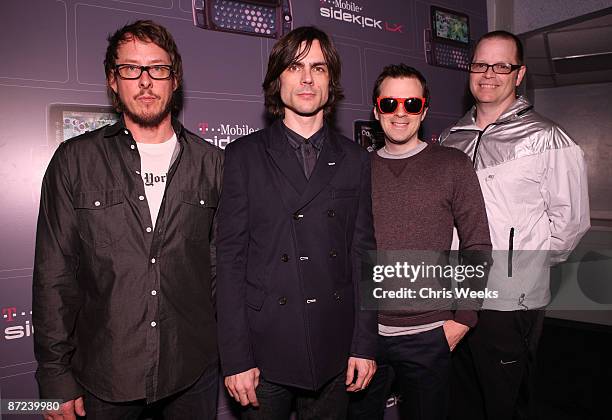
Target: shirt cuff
point(62, 387)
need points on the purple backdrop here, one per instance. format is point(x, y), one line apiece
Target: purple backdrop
point(52, 53)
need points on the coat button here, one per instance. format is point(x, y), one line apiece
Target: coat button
point(331, 213)
point(337, 296)
point(285, 258)
point(297, 216)
point(333, 253)
point(282, 300)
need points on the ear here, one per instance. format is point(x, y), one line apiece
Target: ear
point(112, 82)
point(376, 114)
point(174, 84)
point(424, 113)
point(521, 74)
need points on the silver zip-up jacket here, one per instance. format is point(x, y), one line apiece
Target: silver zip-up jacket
point(533, 179)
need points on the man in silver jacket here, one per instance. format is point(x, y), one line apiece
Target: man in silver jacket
point(533, 179)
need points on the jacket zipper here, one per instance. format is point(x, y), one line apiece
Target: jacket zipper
point(510, 251)
point(480, 133)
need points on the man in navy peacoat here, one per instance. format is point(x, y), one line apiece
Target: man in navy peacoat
point(295, 220)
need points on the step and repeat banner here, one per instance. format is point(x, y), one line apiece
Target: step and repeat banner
point(52, 86)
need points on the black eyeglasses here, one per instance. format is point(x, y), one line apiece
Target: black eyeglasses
point(388, 104)
point(132, 71)
point(499, 68)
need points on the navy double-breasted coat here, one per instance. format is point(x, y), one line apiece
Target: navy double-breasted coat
point(289, 259)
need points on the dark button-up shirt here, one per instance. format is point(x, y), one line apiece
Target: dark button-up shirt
point(307, 150)
point(119, 308)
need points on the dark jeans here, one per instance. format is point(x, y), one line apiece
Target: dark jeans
point(420, 366)
point(198, 402)
point(276, 401)
point(494, 366)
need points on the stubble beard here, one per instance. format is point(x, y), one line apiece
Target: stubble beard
point(147, 120)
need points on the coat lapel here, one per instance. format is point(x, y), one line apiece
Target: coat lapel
point(293, 182)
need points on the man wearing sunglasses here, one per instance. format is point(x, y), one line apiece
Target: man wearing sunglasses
point(419, 192)
point(124, 267)
point(534, 182)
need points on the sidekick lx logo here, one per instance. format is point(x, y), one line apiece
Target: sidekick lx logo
point(348, 11)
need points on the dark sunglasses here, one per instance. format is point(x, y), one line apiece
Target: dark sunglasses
point(387, 105)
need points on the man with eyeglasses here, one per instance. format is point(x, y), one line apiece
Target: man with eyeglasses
point(534, 182)
point(419, 191)
point(124, 268)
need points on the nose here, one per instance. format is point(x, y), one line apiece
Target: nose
point(145, 80)
point(306, 76)
point(489, 73)
point(400, 111)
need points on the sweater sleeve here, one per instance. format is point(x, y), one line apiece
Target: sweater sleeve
point(470, 219)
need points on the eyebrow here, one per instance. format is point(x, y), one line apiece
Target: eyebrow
point(315, 64)
point(155, 61)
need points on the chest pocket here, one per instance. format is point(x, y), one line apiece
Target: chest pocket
point(197, 211)
point(100, 216)
point(345, 193)
point(344, 203)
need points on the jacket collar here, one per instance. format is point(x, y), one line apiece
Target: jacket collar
point(518, 107)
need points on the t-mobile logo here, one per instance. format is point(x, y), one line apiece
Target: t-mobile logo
point(9, 313)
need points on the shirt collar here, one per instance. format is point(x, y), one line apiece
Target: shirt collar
point(295, 140)
point(120, 128)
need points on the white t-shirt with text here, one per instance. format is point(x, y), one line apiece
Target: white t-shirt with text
point(154, 164)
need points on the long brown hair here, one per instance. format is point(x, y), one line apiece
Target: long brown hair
point(288, 51)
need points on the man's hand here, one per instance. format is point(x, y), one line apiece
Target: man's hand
point(365, 370)
point(454, 332)
point(242, 386)
point(67, 411)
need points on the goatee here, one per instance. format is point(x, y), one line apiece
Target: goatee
point(147, 120)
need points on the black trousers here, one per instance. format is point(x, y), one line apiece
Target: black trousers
point(198, 402)
point(277, 401)
point(493, 367)
point(419, 365)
